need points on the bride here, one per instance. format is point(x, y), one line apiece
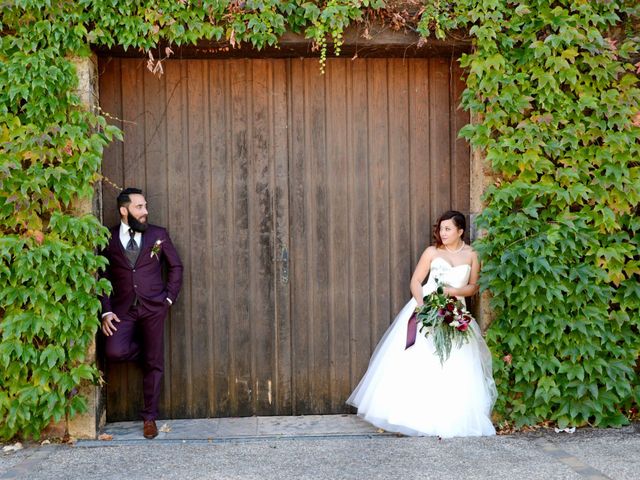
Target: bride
point(407, 390)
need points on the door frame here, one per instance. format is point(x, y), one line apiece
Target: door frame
point(385, 44)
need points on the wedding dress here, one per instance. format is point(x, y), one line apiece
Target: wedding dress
point(410, 392)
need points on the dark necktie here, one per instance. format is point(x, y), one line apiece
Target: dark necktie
point(132, 250)
point(132, 245)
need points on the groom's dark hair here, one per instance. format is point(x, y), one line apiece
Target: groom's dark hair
point(124, 199)
point(458, 220)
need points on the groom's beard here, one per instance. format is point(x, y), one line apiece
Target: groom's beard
point(137, 225)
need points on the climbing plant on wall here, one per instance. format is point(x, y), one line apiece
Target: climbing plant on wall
point(554, 85)
point(557, 92)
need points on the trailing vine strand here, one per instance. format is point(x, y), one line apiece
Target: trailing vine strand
point(556, 86)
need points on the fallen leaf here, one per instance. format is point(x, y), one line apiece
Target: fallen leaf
point(565, 430)
point(105, 436)
point(165, 428)
point(12, 448)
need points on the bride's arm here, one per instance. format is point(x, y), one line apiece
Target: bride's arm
point(420, 273)
point(472, 287)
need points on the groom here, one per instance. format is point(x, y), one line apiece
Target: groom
point(133, 315)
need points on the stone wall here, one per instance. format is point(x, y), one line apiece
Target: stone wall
point(88, 424)
point(481, 177)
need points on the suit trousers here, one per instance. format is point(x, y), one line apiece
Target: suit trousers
point(140, 336)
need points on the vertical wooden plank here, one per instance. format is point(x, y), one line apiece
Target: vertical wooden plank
point(460, 151)
point(155, 140)
point(261, 225)
point(420, 155)
point(222, 234)
point(155, 147)
point(133, 128)
point(112, 163)
point(359, 232)
point(240, 331)
point(198, 216)
point(300, 274)
point(399, 183)
point(440, 146)
point(316, 156)
point(118, 403)
point(280, 129)
point(178, 365)
point(379, 196)
point(338, 230)
point(134, 176)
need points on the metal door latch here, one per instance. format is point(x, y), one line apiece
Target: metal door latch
point(284, 258)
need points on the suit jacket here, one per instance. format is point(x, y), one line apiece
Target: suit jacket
point(144, 279)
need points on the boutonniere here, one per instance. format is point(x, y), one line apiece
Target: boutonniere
point(155, 250)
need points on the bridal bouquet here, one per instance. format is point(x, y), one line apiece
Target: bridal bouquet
point(446, 318)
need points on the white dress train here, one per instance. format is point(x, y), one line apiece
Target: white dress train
point(410, 392)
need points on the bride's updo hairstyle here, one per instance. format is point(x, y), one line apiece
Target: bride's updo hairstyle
point(458, 220)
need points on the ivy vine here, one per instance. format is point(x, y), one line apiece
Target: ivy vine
point(555, 83)
point(557, 90)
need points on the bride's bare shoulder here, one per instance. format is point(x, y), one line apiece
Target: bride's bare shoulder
point(430, 251)
point(428, 254)
point(469, 250)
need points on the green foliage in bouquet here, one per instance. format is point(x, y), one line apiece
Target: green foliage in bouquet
point(555, 87)
point(445, 319)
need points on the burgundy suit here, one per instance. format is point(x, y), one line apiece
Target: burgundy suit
point(139, 299)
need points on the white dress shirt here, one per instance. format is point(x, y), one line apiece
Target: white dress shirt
point(125, 237)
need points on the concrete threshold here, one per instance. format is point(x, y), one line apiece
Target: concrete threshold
point(240, 429)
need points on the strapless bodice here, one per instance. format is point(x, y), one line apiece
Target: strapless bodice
point(452, 276)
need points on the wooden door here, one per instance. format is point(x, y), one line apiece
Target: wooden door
point(299, 204)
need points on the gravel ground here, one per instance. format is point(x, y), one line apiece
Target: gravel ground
point(588, 453)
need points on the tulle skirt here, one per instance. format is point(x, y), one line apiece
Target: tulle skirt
point(410, 392)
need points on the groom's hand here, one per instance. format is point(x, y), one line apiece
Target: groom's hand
point(108, 328)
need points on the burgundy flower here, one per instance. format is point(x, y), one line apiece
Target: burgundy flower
point(445, 314)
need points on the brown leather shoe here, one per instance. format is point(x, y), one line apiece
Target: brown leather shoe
point(150, 430)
